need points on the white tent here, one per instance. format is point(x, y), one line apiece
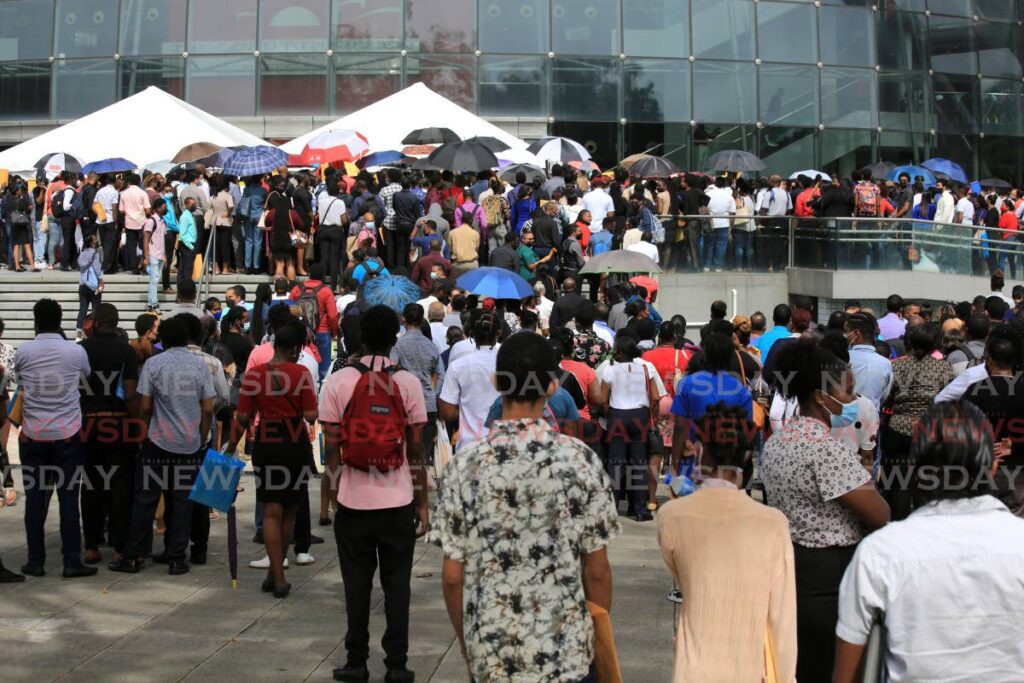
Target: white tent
point(387, 122)
point(145, 127)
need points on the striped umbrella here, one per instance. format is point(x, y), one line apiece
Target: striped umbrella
point(255, 161)
point(335, 145)
point(57, 162)
point(560, 150)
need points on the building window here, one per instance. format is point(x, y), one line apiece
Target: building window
point(514, 86)
point(86, 28)
point(846, 36)
point(26, 29)
point(367, 25)
point(789, 95)
point(291, 26)
point(787, 32)
point(656, 28)
point(166, 73)
point(585, 88)
point(293, 84)
point(849, 98)
point(453, 76)
point(440, 25)
point(521, 26)
point(951, 44)
point(656, 90)
point(723, 29)
point(223, 86)
point(25, 90)
point(586, 27)
point(153, 27)
point(222, 27)
point(82, 86)
point(727, 92)
point(361, 80)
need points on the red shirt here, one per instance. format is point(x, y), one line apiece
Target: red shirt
point(803, 200)
point(584, 234)
point(586, 376)
point(275, 392)
point(1008, 222)
point(325, 302)
point(666, 359)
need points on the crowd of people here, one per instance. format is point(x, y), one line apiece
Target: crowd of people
point(826, 471)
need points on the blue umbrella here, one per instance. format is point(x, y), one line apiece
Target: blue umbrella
point(254, 161)
point(381, 158)
point(913, 172)
point(393, 291)
point(496, 283)
point(115, 165)
point(945, 167)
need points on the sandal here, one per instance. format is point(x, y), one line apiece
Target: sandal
point(214, 515)
point(10, 496)
point(652, 507)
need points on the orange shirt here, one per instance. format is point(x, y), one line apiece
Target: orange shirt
point(1008, 223)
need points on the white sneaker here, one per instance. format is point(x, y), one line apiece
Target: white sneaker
point(265, 563)
point(303, 559)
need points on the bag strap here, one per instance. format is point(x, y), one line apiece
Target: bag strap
point(743, 372)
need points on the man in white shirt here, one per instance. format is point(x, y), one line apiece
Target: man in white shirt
point(775, 204)
point(721, 205)
point(468, 392)
point(599, 204)
point(945, 206)
point(107, 197)
point(645, 247)
point(955, 564)
point(964, 208)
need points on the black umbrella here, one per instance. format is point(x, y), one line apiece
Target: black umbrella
point(57, 162)
point(995, 184)
point(509, 173)
point(653, 167)
point(881, 170)
point(425, 165)
point(463, 156)
point(493, 144)
point(431, 136)
point(734, 161)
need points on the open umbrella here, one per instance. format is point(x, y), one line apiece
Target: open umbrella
point(463, 156)
point(995, 184)
point(881, 170)
point(948, 168)
point(585, 166)
point(812, 174)
point(163, 166)
point(115, 165)
point(216, 160)
point(509, 173)
point(913, 172)
point(254, 161)
point(560, 150)
point(493, 144)
point(496, 283)
point(393, 291)
point(425, 164)
point(431, 136)
point(620, 261)
point(734, 161)
point(653, 167)
point(334, 145)
point(58, 162)
point(628, 162)
point(197, 150)
point(391, 156)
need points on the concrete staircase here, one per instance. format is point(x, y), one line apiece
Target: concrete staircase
point(20, 291)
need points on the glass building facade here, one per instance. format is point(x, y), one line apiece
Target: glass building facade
point(833, 84)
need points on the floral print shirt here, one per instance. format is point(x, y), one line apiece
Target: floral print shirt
point(590, 349)
point(520, 511)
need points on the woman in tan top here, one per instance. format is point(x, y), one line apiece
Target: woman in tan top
point(222, 206)
point(732, 560)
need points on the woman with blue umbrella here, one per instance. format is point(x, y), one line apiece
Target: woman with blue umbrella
point(495, 283)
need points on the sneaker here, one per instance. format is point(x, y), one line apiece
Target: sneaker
point(7, 576)
point(718, 270)
point(707, 270)
point(352, 673)
point(315, 540)
point(402, 675)
point(675, 595)
point(302, 559)
point(264, 563)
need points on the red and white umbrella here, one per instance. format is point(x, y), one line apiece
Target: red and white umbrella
point(333, 146)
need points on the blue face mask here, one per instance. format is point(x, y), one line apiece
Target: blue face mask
point(847, 416)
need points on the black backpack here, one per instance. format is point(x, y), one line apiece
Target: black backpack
point(310, 306)
point(57, 203)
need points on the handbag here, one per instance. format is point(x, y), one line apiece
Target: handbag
point(19, 217)
point(442, 450)
point(16, 408)
point(216, 482)
point(759, 412)
point(91, 280)
point(606, 658)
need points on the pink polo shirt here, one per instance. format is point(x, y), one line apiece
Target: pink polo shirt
point(360, 490)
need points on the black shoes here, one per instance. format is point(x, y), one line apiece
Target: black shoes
point(352, 673)
point(283, 591)
point(7, 576)
point(125, 566)
point(33, 570)
point(325, 521)
point(402, 675)
point(268, 586)
point(177, 567)
point(198, 558)
point(315, 540)
point(79, 572)
point(643, 516)
point(162, 558)
point(258, 538)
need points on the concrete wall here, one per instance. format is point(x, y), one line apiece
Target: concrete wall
point(692, 294)
point(853, 284)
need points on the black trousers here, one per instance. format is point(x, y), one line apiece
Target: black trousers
point(363, 536)
point(896, 464)
point(108, 488)
point(818, 574)
point(159, 472)
point(186, 260)
point(199, 526)
point(397, 245)
point(776, 244)
point(223, 246)
point(238, 243)
point(169, 240)
point(332, 249)
point(68, 250)
point(627, 454)
point(110, 240)
point(132, 242)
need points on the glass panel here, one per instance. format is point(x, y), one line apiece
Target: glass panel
point(224, 86)
point(848, 98)
point(999, 49)
point(167, 73)
point(728, 92)
point(26, 30)
point(82, 86)
point(656, 90)
point(452, 76)
point(1001, 103)
point(787, 150)
point(1003, 10)
point(513, 86)
point(514, 26)
point(903, 101)
point(957, 148)
point(902, 38)
point(711, 138)
point(902, 148)
point(294, 25)
point(844, 151)
point(1002, 158)
point(590, 27)
point(951, 44)
point(222, 27)
point(846, 36)
point(293, 84)
point(956, 103)
point(440, 25)
point(723, 29)
point(153, 27)
point(25, 90)
point(86, 28)
point(600, 139)
point(656, 28)
point(787, 32)
point(959, 8)
point(913, 5)
point(585, 89)
point(361, 80)
point(671, 140)
point(367, 25)
point(789, 95)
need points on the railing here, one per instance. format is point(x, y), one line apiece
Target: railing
point(209, 256)
point(838, 244)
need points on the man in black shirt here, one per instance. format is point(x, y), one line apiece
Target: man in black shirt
point(567, 306)
point(690, 204)
point(546, 233)
point(505, 256)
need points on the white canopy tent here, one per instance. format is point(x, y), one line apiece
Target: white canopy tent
point(145, 127)
point(387, 122)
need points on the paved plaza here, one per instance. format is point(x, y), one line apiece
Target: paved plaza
point(155, 627)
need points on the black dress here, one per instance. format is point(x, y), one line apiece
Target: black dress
point(280, 236)
point(21, 233)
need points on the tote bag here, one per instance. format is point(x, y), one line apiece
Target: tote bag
point(217, 481)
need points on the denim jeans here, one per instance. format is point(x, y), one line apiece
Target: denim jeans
point(156, 271)
point(323, 344)
point(715, 245)
point(253, 244)
point(49, 465)
point(86, 298)
point(743, 249)
point(54, 239)
point(38, 242)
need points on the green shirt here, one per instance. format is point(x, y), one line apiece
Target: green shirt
point(527, 257)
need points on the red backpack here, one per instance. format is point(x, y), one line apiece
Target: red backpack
point(373, 426)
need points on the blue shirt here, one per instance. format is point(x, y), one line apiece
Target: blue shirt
point(764, 344)
point(559, 410)
point(423, 242)
point(360, 272)
point(702, 389)
point(187, 229)
point(872, 373)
